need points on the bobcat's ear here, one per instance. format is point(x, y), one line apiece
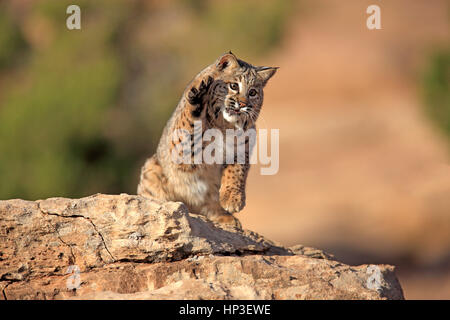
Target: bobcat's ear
point(265, 73)
point(227, 61)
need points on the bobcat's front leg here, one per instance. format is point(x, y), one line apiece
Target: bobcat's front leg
point(195, 95)
point(183, 135)
point(232, 188)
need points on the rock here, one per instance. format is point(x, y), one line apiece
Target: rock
point(130, 247)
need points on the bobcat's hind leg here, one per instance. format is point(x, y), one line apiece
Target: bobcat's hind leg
point(152, 182)
point(218, 215)
point(227, 219)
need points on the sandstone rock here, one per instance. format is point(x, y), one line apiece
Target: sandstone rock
point(129, 247)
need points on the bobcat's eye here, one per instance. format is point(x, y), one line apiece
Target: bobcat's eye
point(252, 92)
point(234, 86)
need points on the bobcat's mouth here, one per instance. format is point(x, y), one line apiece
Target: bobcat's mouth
point(232, 111)
point(235, 113)
point(231, 115)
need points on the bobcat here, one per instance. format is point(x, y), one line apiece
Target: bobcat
point(228, 94)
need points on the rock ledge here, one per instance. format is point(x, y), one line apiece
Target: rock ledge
point(130, 247)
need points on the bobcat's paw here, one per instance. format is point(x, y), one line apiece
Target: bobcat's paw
point(195, 95)
point(232, 200)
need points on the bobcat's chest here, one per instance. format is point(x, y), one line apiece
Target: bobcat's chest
point(197, 187)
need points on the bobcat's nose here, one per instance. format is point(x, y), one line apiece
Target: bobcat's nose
point(242, 103)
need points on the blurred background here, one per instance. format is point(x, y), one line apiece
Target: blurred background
point(364, 115)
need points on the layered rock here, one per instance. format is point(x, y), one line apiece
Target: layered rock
point(129, 247)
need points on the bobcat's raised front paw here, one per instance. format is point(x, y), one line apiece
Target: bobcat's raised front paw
point(195, 95)
point(232, 200)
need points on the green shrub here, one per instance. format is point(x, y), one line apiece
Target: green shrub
point(436, 88)
point(11, 40)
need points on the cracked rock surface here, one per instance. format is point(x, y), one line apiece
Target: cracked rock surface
point(130, 247)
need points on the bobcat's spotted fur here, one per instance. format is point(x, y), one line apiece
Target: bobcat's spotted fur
point(226, 95)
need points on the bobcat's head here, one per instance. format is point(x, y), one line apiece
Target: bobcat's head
point(237, 92)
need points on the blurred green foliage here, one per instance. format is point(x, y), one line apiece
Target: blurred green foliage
point(80, 110)
point(436, 88)
point(11, 41)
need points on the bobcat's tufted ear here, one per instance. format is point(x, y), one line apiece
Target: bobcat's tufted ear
point(265, 73)
point(227, 61)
